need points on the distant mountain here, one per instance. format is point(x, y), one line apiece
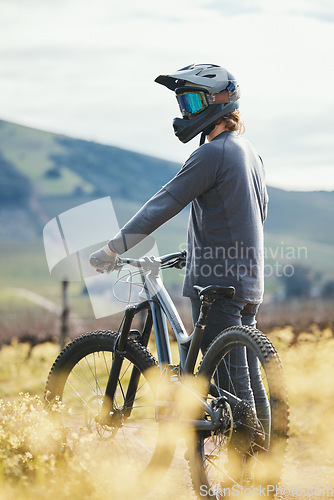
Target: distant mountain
point(43, 174)
point(61, 166)
point(15, 187)
point(306, 215)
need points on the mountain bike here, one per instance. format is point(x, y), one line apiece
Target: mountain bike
point(119, 400)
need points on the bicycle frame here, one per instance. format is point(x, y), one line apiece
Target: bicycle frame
point(160, 307)
point(158, 301)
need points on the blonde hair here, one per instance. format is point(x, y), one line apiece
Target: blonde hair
point(233, 122)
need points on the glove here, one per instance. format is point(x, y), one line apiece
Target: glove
point(103, 260)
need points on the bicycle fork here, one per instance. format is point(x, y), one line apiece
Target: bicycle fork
point(110, 415)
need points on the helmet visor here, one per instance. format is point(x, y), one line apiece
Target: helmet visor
point(191, 102)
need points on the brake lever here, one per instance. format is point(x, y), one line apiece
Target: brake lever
point(108, 270)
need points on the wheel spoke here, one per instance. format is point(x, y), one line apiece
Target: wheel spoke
point(81, 386)
point(242, 362)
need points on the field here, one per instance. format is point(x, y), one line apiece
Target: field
point(54, 174)
point(30, 467)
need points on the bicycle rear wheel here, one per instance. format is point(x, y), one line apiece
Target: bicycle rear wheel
point(248, 448)
point(131, 440)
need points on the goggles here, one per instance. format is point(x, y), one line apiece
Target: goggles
point(193, 101)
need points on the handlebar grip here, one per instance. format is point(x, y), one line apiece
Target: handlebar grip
point(178, 258)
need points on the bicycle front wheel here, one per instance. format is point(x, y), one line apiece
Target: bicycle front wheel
point(248, 446)
point(78, 379)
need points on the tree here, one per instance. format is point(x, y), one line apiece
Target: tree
point(327, 291)
point(298, 284)
point(15, 187)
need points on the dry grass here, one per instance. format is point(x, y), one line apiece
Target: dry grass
point(300, 315)
point(32, 468)
point(310, 374)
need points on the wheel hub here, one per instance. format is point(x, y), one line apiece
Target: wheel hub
point(102, 424)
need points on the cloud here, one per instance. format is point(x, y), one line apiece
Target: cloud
point(322, 10)
point(297, 151)
point(305, 136)
point(70, 67)
point(241, 7)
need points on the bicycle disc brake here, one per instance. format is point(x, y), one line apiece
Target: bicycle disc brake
point(244, 427)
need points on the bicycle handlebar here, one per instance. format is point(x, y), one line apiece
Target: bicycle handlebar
point(178, 260)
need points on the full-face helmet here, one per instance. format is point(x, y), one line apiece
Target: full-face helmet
point(205, 94)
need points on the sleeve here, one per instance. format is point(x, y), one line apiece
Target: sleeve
point(265, 204)
point(265, 196)
point(156, 211)
point(196, 176)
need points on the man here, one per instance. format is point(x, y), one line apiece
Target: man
point(224, 182)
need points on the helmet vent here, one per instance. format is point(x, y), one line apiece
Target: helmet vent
point(209, 76)
point(191, 66)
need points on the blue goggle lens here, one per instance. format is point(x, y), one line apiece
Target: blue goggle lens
point(191, 103)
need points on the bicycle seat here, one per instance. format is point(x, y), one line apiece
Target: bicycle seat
point(210, 291)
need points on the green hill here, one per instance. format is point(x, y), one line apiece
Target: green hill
point(43, 174)
point(302, 215)
point(61, 166)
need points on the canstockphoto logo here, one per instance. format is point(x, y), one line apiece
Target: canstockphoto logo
point(268, 491)
point(72, 236)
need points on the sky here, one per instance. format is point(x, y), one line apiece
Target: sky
point(86, 68)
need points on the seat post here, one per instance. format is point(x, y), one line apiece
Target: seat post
point(206, 303)
point(196, 341)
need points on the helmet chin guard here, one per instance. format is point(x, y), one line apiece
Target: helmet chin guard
point(205, 93)
point(185, 130)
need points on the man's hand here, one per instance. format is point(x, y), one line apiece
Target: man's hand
point(103, 260)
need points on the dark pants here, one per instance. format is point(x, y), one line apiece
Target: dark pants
point(240, 374)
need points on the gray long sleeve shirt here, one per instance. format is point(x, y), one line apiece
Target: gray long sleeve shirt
point(224, 182)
